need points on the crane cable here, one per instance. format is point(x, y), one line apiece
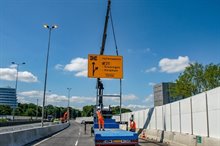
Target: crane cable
point(116, 47)
point(113, 30)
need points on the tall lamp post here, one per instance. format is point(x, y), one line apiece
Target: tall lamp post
point(46, 103)
point(37, 109)
point(16, 83)
point(45, 81)
point(68, 108)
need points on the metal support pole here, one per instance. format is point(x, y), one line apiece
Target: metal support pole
point(37, 109)
point(156, 118)
point(68, 107)
point(16, 85)
point(207, 113)
point(120, 97)
point(45, 79)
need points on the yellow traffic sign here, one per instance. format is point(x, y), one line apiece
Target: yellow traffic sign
point(102, 66)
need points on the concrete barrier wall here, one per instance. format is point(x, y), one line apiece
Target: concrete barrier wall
point(159, 118)
point(185, 110)
point(198, 115)
point(80, 119)
point(214, 113)
point(20, 138)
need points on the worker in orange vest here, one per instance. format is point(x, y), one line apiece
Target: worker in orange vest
point(132, 125)
point(100, 119)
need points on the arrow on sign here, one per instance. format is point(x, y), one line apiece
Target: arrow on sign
point(94, 68)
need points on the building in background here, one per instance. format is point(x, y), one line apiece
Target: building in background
point(162, 93)
point(8, 97)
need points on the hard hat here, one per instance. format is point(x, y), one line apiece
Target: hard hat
point(131, 119)
point(98, 108)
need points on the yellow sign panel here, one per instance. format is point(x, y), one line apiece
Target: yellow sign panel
point(102, 66)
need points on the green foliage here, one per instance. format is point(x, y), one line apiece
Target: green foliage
point(196, 79)
point(116, 110)
point(88, 110)
point(3, 120)
point(30, 112)
point(5, 110)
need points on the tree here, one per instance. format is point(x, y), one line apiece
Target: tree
point(212, 76)
point(196, 79)
point(116, 110)
point(5, 110)
point(30, 112)
point(88, 110)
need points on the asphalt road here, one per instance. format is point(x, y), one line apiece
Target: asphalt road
point(75, 136)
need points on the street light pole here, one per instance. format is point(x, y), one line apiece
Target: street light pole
point(68, 103)
point(46, 103)
point(16, 84)
point(45, 81)
point(37, 109)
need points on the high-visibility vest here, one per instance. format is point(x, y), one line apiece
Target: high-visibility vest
point(133, 125)
point(99, 114)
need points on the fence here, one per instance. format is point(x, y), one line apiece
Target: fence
point(196, 115)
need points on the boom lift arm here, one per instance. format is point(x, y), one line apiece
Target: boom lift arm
point(100, 86)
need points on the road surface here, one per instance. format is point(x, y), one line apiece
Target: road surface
point(75, 136)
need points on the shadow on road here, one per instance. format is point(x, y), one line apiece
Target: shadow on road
point(141, 141)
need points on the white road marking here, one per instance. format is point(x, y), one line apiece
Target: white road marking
point(78, 138)
point(41, 142)
point(47, 139)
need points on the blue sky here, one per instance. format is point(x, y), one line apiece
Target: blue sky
point(157, 39)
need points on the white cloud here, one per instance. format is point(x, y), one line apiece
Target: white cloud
point(27, 77)
point(135, 107)
point(151, 83)
point(9, 74)
point(149, 98)
point(32, 93)
point(82, 73)
point(174, 65)
point(55, 98)
point(22, 100)
point(81, 99)
point(153, 69)
point(129, 97)
point(59, 67)
point(77, 65)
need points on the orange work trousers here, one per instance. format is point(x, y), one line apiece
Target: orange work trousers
point(101, 123)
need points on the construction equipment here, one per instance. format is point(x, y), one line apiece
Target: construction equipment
point(112, 134)
point(64, 118)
